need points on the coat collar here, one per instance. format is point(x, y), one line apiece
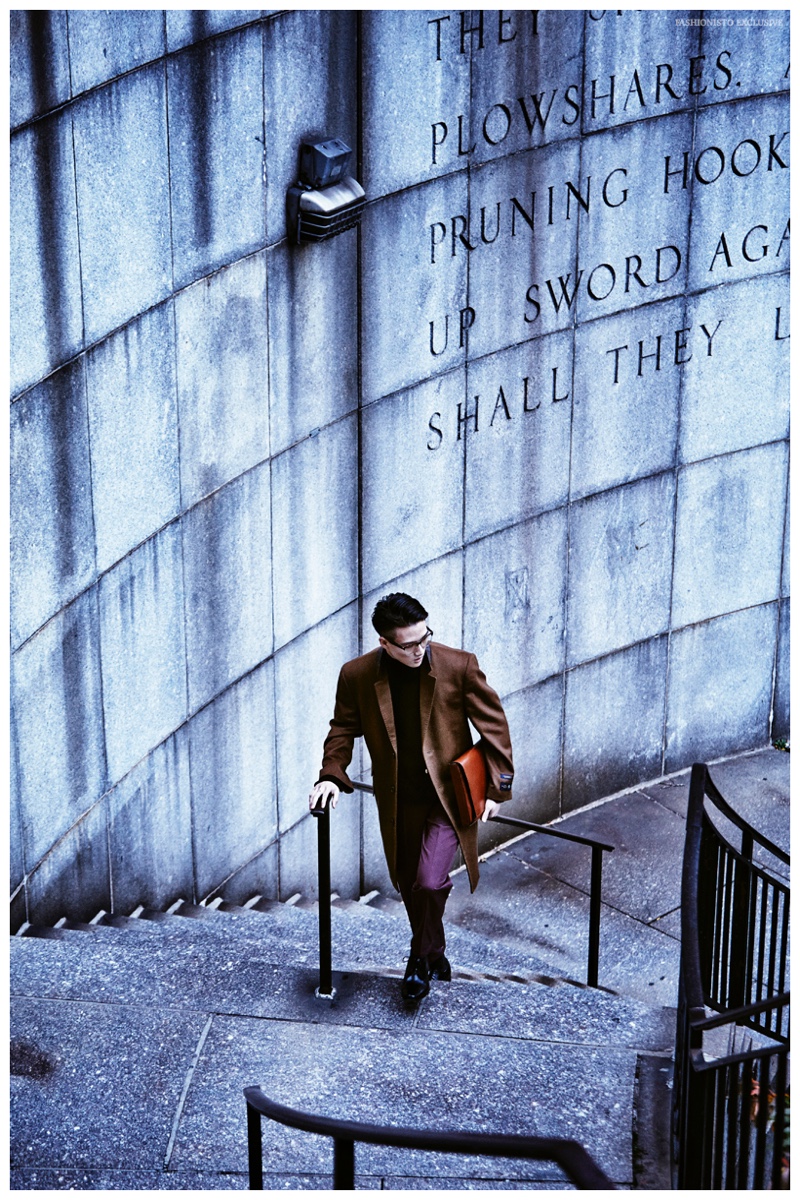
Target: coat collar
point(382, 659)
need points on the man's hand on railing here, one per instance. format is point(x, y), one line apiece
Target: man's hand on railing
point(321, 793)
point(492, 806)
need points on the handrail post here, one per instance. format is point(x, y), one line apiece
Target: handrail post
point(595, 890)
point(255, 1163)
point(326, 990)
point(594, 915)
point(739, 984)
point(344, 1165)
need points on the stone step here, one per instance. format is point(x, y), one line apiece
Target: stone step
point(388, 905)
point(362, 936)
point(255, 903)
point(536, 897)
point(482, 941)
point(352, 906)
point(204, 977)
point(41, 931)
point(481, 936)
point(288, 952)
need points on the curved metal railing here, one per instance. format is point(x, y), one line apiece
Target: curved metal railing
point(730, 1094)
point(326, 988)
point(570, 1155)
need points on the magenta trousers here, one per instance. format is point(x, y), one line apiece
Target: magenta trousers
point(426, 848)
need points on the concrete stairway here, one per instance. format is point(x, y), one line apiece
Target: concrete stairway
point(133, 1036)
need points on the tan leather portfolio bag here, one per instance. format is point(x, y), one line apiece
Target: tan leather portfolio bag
point(468, 773)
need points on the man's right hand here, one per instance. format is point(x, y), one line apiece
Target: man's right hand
point(322, 793)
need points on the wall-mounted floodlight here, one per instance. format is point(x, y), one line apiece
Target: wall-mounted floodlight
point(326, 200)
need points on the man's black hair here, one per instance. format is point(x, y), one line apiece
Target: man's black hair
point(396, 611)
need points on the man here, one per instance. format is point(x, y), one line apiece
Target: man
point(410, 699)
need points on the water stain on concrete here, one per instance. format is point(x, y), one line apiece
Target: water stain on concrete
point(30, 1060)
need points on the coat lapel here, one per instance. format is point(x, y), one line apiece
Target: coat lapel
point(427, 686)
point(384, 695)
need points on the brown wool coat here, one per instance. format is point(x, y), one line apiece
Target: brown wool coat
point(453, 690)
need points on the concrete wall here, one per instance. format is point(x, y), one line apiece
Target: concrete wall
point(544, 388)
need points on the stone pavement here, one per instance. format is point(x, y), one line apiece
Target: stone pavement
point(131, 1044)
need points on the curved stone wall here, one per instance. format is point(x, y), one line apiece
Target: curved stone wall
point(544, 387)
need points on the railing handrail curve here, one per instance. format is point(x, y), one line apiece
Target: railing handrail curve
point(700, 1063)
point(326, 988)
point(559, 833)
point(570, 1155)
point(702, 786)
point(719, 802)
point(760, 869)
point(690, 943)
point(749, 1010)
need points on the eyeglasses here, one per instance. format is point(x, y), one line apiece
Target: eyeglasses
point(409, 646)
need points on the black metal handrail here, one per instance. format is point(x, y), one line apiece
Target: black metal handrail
point(713, 792)
point(326, 989)
point(570, 1155)
point(739, 1016)
point(734, 912)
point(730, 1111)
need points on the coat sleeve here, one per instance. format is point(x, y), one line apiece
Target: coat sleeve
point(345, 728)
point(486, 713)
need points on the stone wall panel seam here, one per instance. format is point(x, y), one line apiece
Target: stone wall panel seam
point(556, 675)
point(109, 861)
point(170, 205)
point(338, 420)
point(732, 283)
point(774, 684)
point(67, 832)
point(608, 654)
point(776, 600)
point(786, 518)
point(95, 584)
point(80, 255)
point(780, 699)
point(696, 462)
point(193, 824)
point(268, 402)
point(88, 347)
point(75, 97)
point(672, 565)
point(176, 520)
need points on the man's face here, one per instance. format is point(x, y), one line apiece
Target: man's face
point(414, 637)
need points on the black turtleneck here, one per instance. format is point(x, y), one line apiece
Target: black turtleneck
point(413, 782)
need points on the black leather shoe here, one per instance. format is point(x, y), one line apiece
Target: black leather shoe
point(440, 969)
point(415, 982)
